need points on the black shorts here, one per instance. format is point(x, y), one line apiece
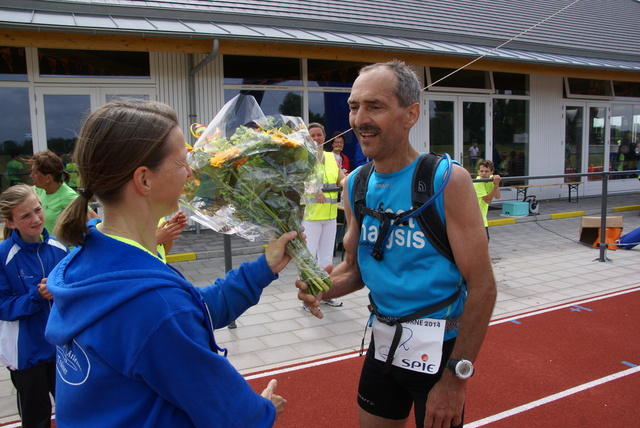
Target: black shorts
point(391, 395)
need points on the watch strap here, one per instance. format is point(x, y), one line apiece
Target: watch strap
point(451, 364)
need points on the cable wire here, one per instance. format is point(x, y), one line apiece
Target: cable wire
point(483, 55)
point(505, 43)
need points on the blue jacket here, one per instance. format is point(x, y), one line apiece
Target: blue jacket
point(135, 342)
point(23, 311)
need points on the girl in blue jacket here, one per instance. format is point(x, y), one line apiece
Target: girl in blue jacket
point(27, 256)
point(135, 343)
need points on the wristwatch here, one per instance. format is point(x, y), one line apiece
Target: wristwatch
point(462, 368)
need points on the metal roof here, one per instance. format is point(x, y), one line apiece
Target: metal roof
point(586, 33)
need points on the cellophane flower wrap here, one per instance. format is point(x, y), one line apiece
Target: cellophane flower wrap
point(250, 177)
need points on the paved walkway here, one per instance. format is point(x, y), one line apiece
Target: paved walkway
point(537, 264)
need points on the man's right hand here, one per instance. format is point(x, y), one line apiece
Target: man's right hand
point(312, 302)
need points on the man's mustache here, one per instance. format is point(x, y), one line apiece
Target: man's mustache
point(367, 128)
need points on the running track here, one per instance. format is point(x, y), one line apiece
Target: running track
point(575, 365)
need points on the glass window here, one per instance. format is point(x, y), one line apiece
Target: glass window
point(626, 89)
point(272, 102)
point(597, 126)
point(254, 70)
point(441, 127)
point(574, 130)
point(64, 115)
point(15, 130)
point(80, 63)
point(511, 83)
point(13, 64)
point(333, 73)
point(331, 110)
point(624, 138)
point(511, 137)
point(590, 87)
point(474, 134)
point(470, 79)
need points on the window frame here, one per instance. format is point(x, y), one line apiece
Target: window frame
point(36, 78)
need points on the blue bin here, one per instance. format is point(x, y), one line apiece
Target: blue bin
point(515, 209)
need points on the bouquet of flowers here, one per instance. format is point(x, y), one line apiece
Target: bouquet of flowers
point(250, 177)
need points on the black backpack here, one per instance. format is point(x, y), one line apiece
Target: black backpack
point(422, 191)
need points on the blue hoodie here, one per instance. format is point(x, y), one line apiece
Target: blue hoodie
point(23, 311)
point(135, 342)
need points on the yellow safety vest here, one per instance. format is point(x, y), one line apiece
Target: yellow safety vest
point(328, 210)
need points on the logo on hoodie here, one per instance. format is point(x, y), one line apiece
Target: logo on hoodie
point(23, 275)
point(72, 363)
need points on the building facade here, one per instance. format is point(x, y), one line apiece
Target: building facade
point(541, 87)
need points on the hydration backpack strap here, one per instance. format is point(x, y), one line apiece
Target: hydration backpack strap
point(386, 219)
point(422, 189)
point(429, 220)
point(360, 192)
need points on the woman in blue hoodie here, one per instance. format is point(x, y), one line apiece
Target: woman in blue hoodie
point(27, 255)
point(135, 344)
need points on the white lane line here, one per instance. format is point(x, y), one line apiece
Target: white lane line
point(566, 305)
point(513, 318)
point(551, 398)
point(303, 366)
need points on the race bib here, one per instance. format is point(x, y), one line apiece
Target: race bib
point(420, 346)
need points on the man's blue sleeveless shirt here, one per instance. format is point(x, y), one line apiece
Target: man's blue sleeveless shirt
point(413, 274)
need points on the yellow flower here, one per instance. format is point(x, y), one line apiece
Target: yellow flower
point(218, 159)
point(282, 139)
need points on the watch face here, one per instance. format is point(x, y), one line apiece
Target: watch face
point(464, 369)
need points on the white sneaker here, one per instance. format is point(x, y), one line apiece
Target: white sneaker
point(305, 307)
point(332, 302)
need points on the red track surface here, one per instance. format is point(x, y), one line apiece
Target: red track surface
point(550, 368)
point(533, 357)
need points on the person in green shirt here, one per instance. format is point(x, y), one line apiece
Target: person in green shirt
point(487, 191)
point(14, 169)
point(72, 170)
point(49, 178)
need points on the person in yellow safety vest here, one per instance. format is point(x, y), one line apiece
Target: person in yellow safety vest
point(319, 222)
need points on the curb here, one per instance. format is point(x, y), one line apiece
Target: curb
point(183, 257)
point(213, 254)
point(557, 216)
point(626, 208)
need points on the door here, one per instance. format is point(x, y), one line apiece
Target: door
point(574, 137)
point(475, 116)
point(597, 139)
point(461, 127)
point(60, 112)
point(587, 145)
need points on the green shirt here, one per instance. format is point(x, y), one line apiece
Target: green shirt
point(74, 179)
point(55, 203)
point(482, 190)
point(13, 170)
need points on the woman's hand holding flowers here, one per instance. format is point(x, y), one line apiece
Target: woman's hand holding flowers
point(276, 254)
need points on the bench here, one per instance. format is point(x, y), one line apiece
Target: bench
point(523, 188)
